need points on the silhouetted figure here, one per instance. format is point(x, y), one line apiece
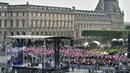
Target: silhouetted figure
point(72, 68)
point(2, 70)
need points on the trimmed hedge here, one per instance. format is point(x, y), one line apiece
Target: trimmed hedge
point(105, 33)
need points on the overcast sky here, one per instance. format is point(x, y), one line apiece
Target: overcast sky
point(79, 4)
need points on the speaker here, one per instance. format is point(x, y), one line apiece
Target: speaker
point(128, 50)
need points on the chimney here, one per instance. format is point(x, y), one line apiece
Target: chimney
point(73, 8)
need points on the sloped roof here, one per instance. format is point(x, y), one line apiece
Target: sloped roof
point(3, 3)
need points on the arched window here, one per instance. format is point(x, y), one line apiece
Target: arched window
point(5, 23)
point(23, 33)
point(5, 34)
point(32, 23)
point(11, 23)
point(17, 23)
point(23, 21)
point(53, 23)
point(61, 33)
point(57, 21)
point(41, 23)
point(61, 23)
point(0, 23)
point(17, 33)
point(46, 33)
point(33, 33)
point(11, 33)
point(45, 23)
point(1, 36)
point(37, 33)
point(54, 33)
point(36, 22)
point(58, 33)
point(42, 33)
point(64, 23)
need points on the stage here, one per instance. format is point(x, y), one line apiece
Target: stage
point(38, 69)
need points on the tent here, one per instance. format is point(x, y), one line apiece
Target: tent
point(86, 44)
point(121, 40)
point(98, 43)
point(114, 39)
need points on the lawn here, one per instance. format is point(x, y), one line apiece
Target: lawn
point(109, 50)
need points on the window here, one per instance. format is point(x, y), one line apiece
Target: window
point(5, 23)
point(0, 23)
point(2, 14)
point(11, 14)
point(49, 23)
point(56, 23)
point(64, 23)
point(63, 15)
point(17, 33)
point(59, 15)
point(69, 16)
point(31, 23)
point(12, 33)
point(43, 14)
point(11, 23)
point(53, 22)
point(23, 33)
point(0, 6)
point(55, 15)
point(45, 21)
point(14, 14)
point(45, 8)
point(31, 7)
point(17, 14)
point(23, 21)
point(36, 22)
point(17, 23)
point(47, 15)
point(40, 14)
point(61, 23)
point(23, 14)
point(40, 8)
point(71, 22)
point(68, 23)
point(66, 16)
point(41, 23)
point(34, 14)
point(51, 15)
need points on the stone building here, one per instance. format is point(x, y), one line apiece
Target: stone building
point(106, 16)
point(35, 20)
point(29, 19)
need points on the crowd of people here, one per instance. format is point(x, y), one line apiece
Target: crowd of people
point(78, 56)
point(75, 56)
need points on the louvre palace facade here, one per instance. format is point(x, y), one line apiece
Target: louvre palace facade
point(27, 19)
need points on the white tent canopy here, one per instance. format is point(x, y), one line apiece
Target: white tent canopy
point(98, 43)
point(126, 54)
point(126, 40)
point(86, 44)
point(114, 39)
point(121, 39)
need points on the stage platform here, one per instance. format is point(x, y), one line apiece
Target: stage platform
point(38, 69)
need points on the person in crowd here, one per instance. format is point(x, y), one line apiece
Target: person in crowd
point(3, 70)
